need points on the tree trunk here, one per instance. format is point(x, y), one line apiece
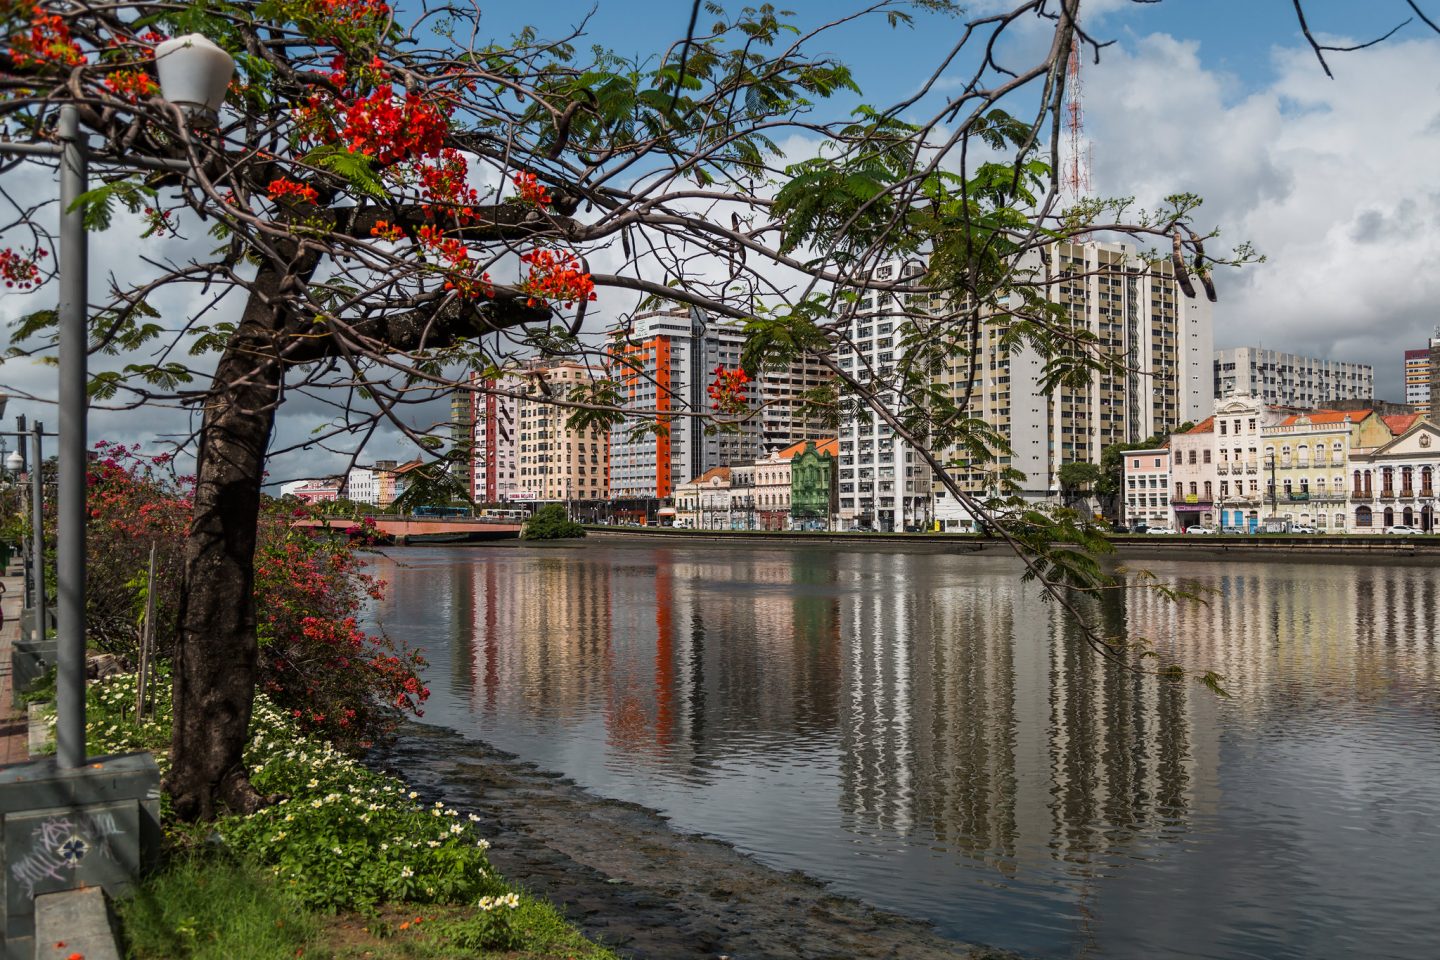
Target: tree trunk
point(217, 656)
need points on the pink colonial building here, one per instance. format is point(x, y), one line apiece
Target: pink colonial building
point(1193, 476)
point(1146, 492)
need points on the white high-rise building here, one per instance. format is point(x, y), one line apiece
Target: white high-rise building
point(1137, 314)
point(883, 482)
point(1288, 379)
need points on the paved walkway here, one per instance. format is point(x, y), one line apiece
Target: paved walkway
point(14, 735)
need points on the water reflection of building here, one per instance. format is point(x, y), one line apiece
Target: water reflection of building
point(974, 712)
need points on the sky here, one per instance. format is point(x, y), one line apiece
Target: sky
point(1331, 179)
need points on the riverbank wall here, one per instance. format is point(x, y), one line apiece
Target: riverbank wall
point(1179, 545)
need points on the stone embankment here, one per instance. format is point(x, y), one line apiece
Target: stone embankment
point(631, 881)
point(1378, 546)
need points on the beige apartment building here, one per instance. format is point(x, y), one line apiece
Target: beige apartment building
point(554, 461)
point(1137, 315)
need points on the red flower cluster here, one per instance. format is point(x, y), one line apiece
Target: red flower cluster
point(131, 84)
point(386, 230)
point(460, 271)
point(556, 276)
point(446, 188)
point(348, 11)
point(531, 190)
point(19, 271)
point(157, 222)
point(727, 390)
point(48, 41)
point(391, 129)
point(283, 188)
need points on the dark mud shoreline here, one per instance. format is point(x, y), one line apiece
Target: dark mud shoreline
point(634, 883)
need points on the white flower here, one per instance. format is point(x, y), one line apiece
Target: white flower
point(413, 794)
point(337, 851)
point(456, 828)
point(474, 818)
point(406, 872)
point(432, 844)
point(483, 844)
point(313, 784)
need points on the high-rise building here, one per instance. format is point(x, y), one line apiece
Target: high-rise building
point(495, 441)
point(462, 434)
point(664, 363)
point(1290, 380)
point(1434, 400)
point(1136, 314)
point(1417, 379)
point(558, 462)
point(884, 484)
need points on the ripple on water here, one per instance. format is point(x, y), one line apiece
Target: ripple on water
point(920, 731)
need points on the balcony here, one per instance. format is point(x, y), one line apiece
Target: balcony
point(1359, 494)
point(1387, 493)
point(1251, 467)
point(1298, 496)
point(1427, 492)
point(1407, 493)
point(1222, 468)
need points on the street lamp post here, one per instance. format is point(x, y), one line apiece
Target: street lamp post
point(194, 74)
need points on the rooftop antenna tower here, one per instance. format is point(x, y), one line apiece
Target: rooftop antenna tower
point(1075, 166)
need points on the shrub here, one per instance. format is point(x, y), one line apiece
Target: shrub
point(331, 677)
point(551, 522)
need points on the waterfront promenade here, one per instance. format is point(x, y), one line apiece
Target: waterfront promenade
point(1181, 545)
point(14, 746)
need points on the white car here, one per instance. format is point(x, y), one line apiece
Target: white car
point(1160, 531)
point(1401, 528)
point(1198, 529)
point(1301, 528)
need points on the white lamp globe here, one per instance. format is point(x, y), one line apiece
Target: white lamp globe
point(193, 72)
point(14, 462)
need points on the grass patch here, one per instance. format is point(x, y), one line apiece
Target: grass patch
point(214, 907)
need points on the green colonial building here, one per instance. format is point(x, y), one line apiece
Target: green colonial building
point(812, 485)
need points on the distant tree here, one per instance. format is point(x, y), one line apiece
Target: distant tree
point(432, 485)
point(551, 522)
point(1112, 470)
point(1077, 478)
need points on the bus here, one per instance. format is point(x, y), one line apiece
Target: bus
point(497, 515)
point(427, 510)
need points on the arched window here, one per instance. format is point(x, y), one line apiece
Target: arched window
point(1179, 491)
point(1369, 488)
point(1363, 517)
point(1207, 490)
point(1358, 488)
point(1408, 517)
point(1193, 488)
point(1407, 481)
point(1426, 480)
point(1389, 516)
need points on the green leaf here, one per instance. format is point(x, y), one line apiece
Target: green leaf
point(356, 169)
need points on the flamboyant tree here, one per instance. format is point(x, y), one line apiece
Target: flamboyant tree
point(391, 199)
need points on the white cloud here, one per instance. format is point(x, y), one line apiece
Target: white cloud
point(1332, 179)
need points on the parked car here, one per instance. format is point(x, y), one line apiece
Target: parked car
point(1401, 528)
point(1302, 528)
point(1163, 531)
point(1139, 527)
point(1198, 529)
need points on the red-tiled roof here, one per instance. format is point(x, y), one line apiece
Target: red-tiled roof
point(1400, 422)
point(721, 473)
point(831, 446)
point(1328, 416)
point(1204, 426)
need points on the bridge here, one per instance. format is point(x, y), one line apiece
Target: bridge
point(417, 530)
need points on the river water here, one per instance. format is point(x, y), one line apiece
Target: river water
point(922, 731)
